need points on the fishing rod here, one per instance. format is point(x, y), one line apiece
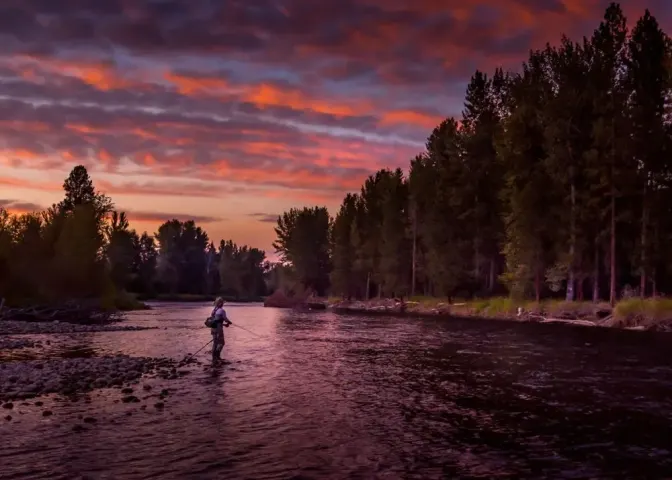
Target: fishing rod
point(185, 358)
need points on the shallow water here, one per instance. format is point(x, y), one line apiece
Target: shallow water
point(319, 395)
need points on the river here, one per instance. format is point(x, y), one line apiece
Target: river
point(326, 396)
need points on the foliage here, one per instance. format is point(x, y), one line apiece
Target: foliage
point(303, 239)
point(82, 248)
point(554, 183)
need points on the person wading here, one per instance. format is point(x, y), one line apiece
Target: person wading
point(219, 321)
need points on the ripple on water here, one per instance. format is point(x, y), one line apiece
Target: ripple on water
point(327, 396)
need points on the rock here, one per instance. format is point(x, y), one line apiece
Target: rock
point(8, 405)
point(130, 399)
point(8, 418)
point(38, 404)
point(78, 428)
point(47, 413)
point(90, 420)
point(12, 327)
point(159, 405)
point(71, 377)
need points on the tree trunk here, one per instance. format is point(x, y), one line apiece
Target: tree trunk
point(477, 245)
point(612, 192)
point(572, 237)
point(537, 284)
point(415, 259)
point(654, 284)
point(491, 279)
point(477, 258)
point(644, 239)
point(580, 283)
point(368, 285)
point(596, 273)
point(612, 245)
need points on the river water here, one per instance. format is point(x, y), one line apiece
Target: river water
point(326, 396)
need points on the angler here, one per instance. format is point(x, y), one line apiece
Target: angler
point(217, 321)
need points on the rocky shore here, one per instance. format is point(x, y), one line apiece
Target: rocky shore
point(13, 327)
point(75, 376)
point(72, 378)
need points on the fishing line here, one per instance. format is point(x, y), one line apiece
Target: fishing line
point(248, 331)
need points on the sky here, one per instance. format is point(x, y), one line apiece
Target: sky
point(230, 112)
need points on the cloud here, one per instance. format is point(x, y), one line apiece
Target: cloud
point(258, 101)
point(265, 217)
point(16, 206)
point(160, 217)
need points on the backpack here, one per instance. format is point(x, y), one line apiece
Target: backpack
point(210, 321)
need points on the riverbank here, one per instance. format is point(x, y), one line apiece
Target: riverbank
point(194, 298)
point(633, 314)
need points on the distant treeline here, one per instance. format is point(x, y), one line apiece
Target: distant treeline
point(82, 248)
point(555, 182)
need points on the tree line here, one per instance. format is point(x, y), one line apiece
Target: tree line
point(555, 181)
point(83, 248)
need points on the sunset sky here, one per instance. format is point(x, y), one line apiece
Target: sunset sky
point(230, 112)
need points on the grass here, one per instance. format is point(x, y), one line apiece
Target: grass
point(644, 312)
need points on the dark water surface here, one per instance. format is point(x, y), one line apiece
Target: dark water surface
point(326, 396)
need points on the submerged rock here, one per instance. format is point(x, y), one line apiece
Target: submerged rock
point(13, 327)
point(73, 376)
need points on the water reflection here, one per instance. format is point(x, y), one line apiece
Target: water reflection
point(317, 395)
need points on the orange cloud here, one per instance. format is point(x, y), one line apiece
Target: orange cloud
point(101, 75)
point(266, 95)
point(192, 85)
point(160, 217)
point(410, 117)
point(31, 185)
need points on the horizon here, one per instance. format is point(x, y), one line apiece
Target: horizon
point(230, 130)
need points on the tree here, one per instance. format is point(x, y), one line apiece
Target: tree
point(529, 227)
point(446, 240)
point(182, 261)
point(608, 167)
point(303, 241)
point(77, 267)
point(83, 249)
point(79, 190)
point(568, 136)
point(481, 124)
point(421, 185)
point(343, 275)
point(394, 265)
point(146, 262)
point(649, 83)
point(121, 250)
